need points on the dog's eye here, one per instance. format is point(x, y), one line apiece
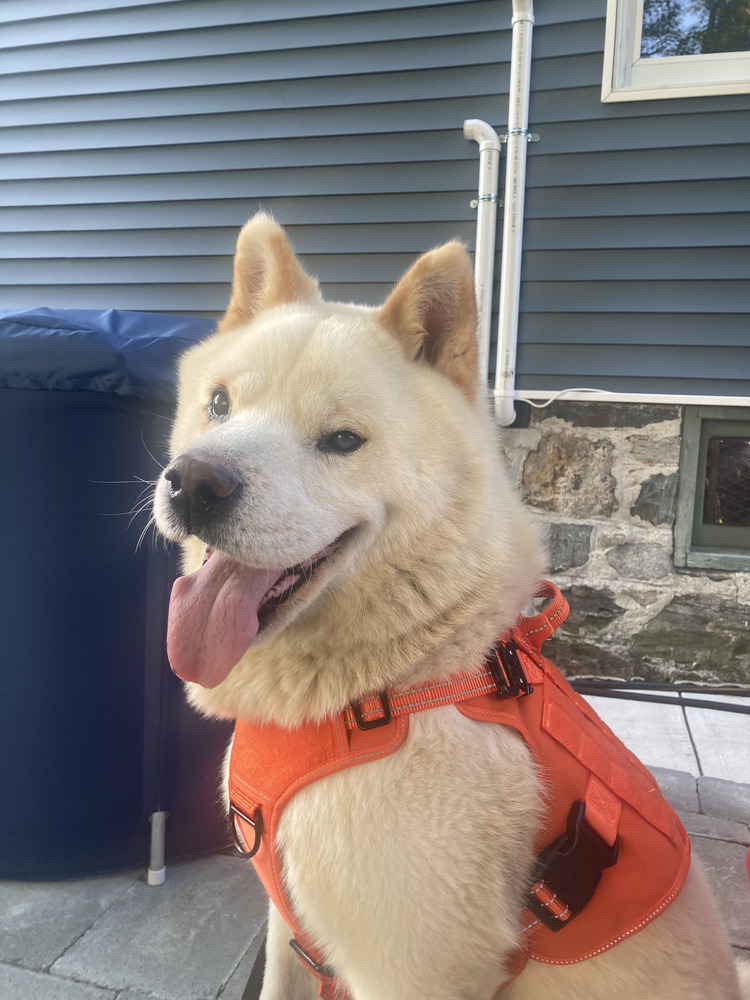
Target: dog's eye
point(340, 442)
point(219, 405)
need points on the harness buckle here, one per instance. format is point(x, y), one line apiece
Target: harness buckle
point(568, 871)
point(318, 968)
point(507, 671)
point(256, 823)
point(381, 720)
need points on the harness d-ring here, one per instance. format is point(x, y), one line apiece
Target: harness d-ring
point(256, 823)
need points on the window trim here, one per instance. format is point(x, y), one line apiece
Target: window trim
point(688, 552)
point(629, 77)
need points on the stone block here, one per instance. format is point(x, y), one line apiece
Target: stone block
point(715, 828)
point(598, 414)
point(571, 475)
point(678, 787)
point(697, 638)
point(727, 874)
point(728, 799)
point(651, 450)
point(569, 545)
point(641, 561)
point(590, 608)
point(656, 501)
point(578, 658)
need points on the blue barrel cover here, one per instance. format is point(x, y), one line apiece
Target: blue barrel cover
point(123, 353)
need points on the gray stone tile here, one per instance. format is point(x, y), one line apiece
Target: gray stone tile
point(238, 980)
point(181, 940)
point(657, 734)
point(721, 739)
point(679, 788)
point(40, 920)
point(727, 799)
point(725, 866)
point(715, 828)
point(23, 984)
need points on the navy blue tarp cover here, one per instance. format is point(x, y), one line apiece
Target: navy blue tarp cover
point(124, 353)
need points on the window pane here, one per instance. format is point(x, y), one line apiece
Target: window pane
point(727, 495)
point(694, 27)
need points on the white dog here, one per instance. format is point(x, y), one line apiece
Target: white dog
point(337, 474)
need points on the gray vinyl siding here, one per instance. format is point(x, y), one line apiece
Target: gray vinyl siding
point(137, 137)
point(637, 239)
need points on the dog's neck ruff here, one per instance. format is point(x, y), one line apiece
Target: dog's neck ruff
point(612, 853)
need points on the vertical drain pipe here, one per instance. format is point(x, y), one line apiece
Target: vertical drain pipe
point(157, 871)
point(515, 180)
point(486, 206)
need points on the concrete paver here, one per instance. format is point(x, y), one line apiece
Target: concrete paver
point(679, 787)
point(723, 743)
point(715, 828)
point(656, 733)
point(41, 920)
point(725, 866)
point(238, 981)
point(23, 984)
point(724, 798)
point(181, 941)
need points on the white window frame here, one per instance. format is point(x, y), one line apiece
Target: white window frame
point(629, 77)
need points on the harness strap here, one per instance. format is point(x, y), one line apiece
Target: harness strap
point(378, 710)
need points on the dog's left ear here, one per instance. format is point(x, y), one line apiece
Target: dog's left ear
point(433, 312)
point(266, 273)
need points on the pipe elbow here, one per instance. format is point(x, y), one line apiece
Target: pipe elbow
point(481, 133)
point(505, 411)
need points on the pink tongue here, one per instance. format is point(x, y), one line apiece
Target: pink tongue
point(213, 618)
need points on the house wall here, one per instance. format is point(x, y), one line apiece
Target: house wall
point(603, 479)
point(137, 137)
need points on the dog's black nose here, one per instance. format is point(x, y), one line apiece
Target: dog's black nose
point(198, 486)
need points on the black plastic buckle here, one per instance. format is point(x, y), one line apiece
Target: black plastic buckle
point(569, 869)
point(321, 970)
point(507, 672)
point(381, 720)
point(256, 823)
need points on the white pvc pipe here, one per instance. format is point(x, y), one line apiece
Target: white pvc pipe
point(515, 181)
point(484, 257)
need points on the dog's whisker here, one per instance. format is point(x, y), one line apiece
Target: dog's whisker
point(154, 459)
point(149, 524)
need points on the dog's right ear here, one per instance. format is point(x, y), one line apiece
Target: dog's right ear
point(266, 273)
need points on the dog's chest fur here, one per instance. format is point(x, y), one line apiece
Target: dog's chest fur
point(363, 843)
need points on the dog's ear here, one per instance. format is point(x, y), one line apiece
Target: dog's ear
point(266, 272)
point(433, 312)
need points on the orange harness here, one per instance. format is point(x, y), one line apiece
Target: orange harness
point(616, 854)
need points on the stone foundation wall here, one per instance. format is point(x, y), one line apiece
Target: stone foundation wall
point(603, 477)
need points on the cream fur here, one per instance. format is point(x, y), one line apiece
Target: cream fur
point(407, 871)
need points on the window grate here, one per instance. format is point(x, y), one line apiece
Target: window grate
point(727, 494)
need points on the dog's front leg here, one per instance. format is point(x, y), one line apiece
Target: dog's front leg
point(286, 978)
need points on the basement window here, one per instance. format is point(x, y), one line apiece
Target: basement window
point(675, 48)
point(712, 522)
